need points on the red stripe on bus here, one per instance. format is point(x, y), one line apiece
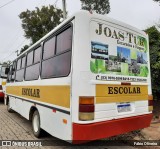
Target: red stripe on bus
point(86, 132)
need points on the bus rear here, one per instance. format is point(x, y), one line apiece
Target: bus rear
point(111, 83)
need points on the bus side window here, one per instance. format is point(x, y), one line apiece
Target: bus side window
point(9, 74)
point(37, 55)
point(49, 48)
point(13, 71)
point(19, 64)
point(30, 58)
point(33, 61)
point(20, 68)
point(64, 41)
point(23, 62)
point(59, 64)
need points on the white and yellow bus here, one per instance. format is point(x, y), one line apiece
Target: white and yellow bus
point(89, 78)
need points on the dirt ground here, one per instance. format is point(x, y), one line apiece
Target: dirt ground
point(156, 109)
point(153, 132)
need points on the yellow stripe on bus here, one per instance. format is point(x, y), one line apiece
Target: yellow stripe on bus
point(121, 90)
point(120, 93)
point(57, 95)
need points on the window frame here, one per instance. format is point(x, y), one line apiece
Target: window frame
point(59, 31)
point(9, 75)
point(27, 57)
point(24, 56)
point(34, 54)
point(20, 58)
point(58, 53)
point(14, 65)
point(33, 50)
point(50, 37)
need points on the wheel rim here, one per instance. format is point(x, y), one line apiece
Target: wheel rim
point(36, 123)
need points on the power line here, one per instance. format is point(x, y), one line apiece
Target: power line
point(13, 40)
point(8, 56)
point(41, 3)
point(14, 50)
point(7, 4)
point(44, 2)
point(55, 3)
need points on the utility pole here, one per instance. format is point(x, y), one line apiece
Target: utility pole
point(64, 9)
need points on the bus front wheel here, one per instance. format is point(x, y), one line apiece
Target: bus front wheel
point(36, 124)
point(9, 107)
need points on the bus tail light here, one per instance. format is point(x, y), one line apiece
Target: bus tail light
point(86, 116)
point(86, 108)
point(150, 102)
point(86, 100)
point(150, 97)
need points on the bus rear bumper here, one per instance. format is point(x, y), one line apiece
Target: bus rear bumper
point(88, 132)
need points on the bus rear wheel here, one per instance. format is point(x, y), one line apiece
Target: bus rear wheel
point(37, 131)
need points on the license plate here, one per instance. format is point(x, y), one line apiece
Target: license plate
point(124, 107)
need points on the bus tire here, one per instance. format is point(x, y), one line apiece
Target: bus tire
point(37, 131)
point(8, 107)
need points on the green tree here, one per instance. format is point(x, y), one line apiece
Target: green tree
point(40, 21)
point(154, 43)
point(24, 48)
point(99, 6)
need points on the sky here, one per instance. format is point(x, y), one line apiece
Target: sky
point(138, 13)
